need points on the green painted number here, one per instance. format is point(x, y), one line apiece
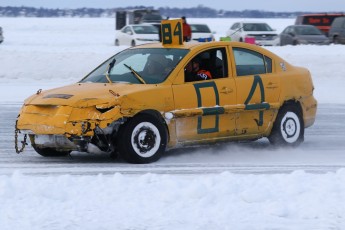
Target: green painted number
point(178, 33)
point(263, 105)
point(166, 34)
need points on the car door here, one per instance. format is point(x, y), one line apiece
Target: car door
point(235, 31)
point(283, 36)
point(203, 108)
point(125, 36)
point(258, 90)
point(287, 36)
point(342, 32)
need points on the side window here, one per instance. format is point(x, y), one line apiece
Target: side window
point(249, 62)
point(235, 26)
point(128, 30)
point(289, 30)
point(268, 63)
point(211, 62)
point(123, 30)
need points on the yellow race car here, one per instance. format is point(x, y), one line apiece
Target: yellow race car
point(144, 100)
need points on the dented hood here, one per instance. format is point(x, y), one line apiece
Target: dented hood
point(85, 94)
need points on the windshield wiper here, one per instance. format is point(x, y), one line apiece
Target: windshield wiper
point(135, 73)
point(110, 67)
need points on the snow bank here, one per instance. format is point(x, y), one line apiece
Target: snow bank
point(225, 201)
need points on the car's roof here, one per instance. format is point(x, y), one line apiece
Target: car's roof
point(245, 21)
point(195, 45)
point(186, 45)
point(303, 26)
point(321, 14)
point(141, 24)
point(204, 24)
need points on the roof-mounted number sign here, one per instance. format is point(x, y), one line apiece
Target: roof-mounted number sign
point(172, 33)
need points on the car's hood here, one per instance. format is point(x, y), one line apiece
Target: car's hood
point(261, 32)
point(86, 94)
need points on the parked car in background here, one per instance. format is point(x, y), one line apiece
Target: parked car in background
point(321, 21)
point(1, 36)
point(201, 32)
point(303, 34)
point(264, 35)
point(337, 31)
point(136, 34)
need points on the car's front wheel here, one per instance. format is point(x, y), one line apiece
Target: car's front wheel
point(142, 140)
point(117, 43)
point(288, 129)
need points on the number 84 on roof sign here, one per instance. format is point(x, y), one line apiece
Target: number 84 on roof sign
point(172, 33)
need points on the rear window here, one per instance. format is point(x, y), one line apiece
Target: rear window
point(200, 28)
point(338, 22)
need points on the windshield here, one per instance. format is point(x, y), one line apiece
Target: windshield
point(145, 29)
point(152, 18)
point(256, 27)
point(152, 65)
point(196, 28)
point(307, 30)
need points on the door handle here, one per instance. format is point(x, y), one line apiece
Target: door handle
point(272, 85)
point(226, 90)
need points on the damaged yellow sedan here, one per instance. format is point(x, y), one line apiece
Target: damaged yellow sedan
point(143, 101)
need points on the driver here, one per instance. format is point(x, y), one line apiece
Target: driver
point(194, 71)
point(155, 68)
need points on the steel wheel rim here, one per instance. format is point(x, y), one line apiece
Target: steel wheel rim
point(290, 127)
point(145, 139)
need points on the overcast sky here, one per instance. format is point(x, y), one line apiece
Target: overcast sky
point(267, 5)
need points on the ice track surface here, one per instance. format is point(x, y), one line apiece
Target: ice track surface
point(323, 151)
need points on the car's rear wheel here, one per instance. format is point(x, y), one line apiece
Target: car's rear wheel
point(117, 43)
point(50, 152)
point(288, 129)
point(142, 140)
point(133, 43)
point(336, 40)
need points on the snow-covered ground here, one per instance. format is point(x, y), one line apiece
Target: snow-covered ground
point(40, 53)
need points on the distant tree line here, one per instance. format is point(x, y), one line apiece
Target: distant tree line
point(194, 12)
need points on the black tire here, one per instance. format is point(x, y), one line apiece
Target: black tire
point(117, 43)
point(240, 40)
point(142, 140)
point(336, 40)
point(50, 152)
point(288, 129)
point(133, 43)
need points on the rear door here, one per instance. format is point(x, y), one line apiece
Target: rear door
point(258, 90)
